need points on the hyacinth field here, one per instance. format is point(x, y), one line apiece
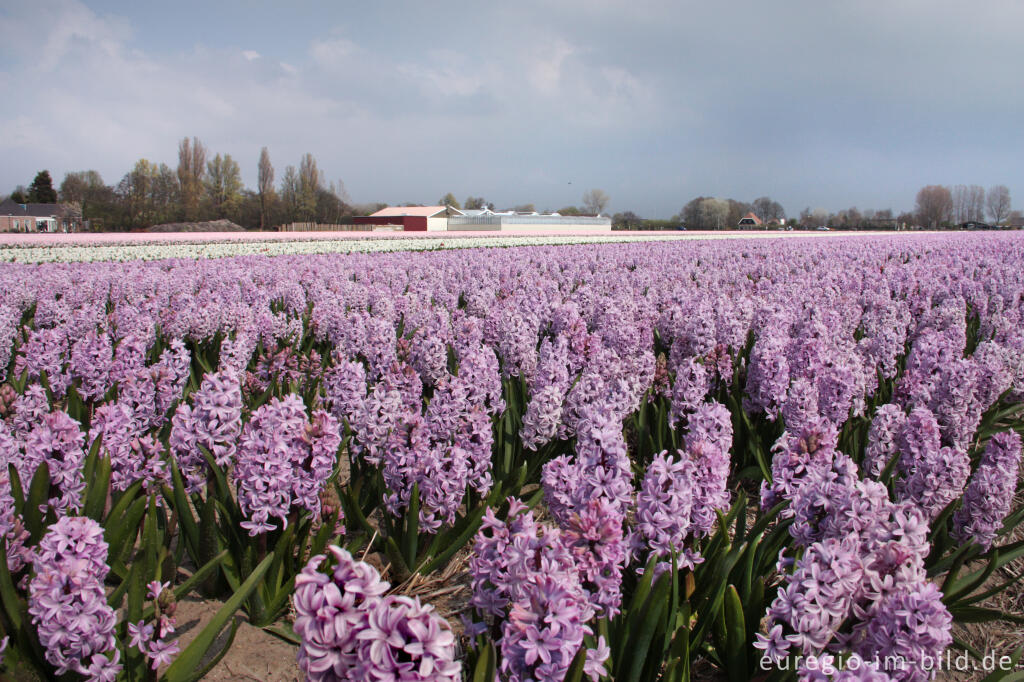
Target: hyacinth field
point(672, 460)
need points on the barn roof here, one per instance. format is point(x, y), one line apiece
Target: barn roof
point(424, 211)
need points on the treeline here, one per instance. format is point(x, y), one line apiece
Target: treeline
point(937, 206)
point(946, 206)
point(204, 188)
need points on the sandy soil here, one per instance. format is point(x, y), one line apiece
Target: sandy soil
point(254, 655)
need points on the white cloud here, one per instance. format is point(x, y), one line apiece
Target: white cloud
point(551, 89)
point(544, 67)
point(446, 72)
point(331, 53)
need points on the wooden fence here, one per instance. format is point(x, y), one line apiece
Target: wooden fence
point(319, 227)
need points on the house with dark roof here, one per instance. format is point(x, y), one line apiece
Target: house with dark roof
point(15, 217)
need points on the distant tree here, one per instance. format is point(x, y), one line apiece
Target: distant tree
point(41, 190)
point(968, 203)
point(716, 214)
point(595, 201)
point(165, 194)
point(1015, 217)
point(690, 214)
point(761, 206)
point(138, 193)
point(368, 209)
point(905, 220)
point(850, 218)
point(569, 210)
point(74, 187)
point(813, 217)
point(18, 195)
point(524, 208)
point(710, 213)
point(96, 199)
point(247, 211)
point(998, 203)
point(767, 209)
point(310, 184)
point(290, 194)
point(737, 209)
point(474, 203)
point(338, 190)
point(191, 173)
point(975, 205)
point(959, 195)
point(265, 186)
point(627, 220)
point(330, 207)
point(133, 193)
point(449, 200)
point(934, 205)
point(223, 185)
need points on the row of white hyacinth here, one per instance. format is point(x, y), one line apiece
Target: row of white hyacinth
point(139, 247)
point(153, 251)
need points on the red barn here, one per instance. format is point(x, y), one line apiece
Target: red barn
point(411, 218)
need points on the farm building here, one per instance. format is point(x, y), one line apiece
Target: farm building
point(528, 222)
point(437, 218)
point(750, 220)
point(15, 217)
point(411, 218)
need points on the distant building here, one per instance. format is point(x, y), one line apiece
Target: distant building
point(15, 217)
point(410, 218)
point(438, 218)
point(750, 220)
point(529, 222)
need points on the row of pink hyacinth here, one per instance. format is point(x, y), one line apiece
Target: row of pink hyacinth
point(592, 332)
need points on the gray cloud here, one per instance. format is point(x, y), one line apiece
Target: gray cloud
point(815, 104)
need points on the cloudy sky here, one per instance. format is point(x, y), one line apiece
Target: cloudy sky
point(816, 104)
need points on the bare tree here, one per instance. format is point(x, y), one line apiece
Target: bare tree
point(959, 194)
point(968, 203)
point(998, 203)
point(737, 209)
point(976, 202)
point(191, 172)
point(934, 205)
point(761, 206)
point(768, 210)
point(595, 201)
point(265, 186)
point(339, 191)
